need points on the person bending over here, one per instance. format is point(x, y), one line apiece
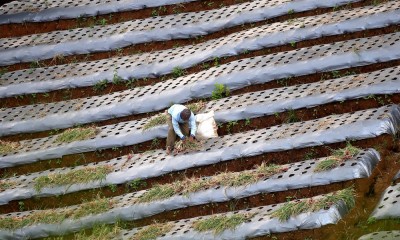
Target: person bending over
point(181, 122)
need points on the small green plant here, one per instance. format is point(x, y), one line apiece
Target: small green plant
point(113, 188)
point(338, 156)
point(371, 220)
point(35, 64)
point(77, 134)
point(8, 147)
point(154, 13)
point(290, 209)
point(102, 22)
point(247, 122)
point(100, 85)
point(21, 206)
point(218, 224)
point(293, 44)
point(116, 79)
point(178, 72)
point(220, 91)
point(153, 231)
point(136, 184)
point(230, 125)
point(291, 11)
point(309, 155)
point(83, 175)
point(216, 61)
point(292, 116)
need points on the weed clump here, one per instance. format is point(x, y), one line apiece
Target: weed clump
point(54, 217)
point(220, 91)
point(218, 224)
point(228, 179)
point(4, 185)
point(8, 147)
point(161, 118)
point(83, 175)
point(77, 134)
point(338, 156)
point(99, 232)
point(153, 231)
point(157, 120)
point(290, 209)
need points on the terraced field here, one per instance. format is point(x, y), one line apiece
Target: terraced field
point(305, 94)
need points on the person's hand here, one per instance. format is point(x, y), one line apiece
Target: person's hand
point(183, 139)
point(192, 137)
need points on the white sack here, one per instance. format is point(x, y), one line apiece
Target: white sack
point(206, 126)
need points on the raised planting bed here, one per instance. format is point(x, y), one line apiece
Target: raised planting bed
point(153, 64)
point(42, 11)
point(389, 205)
point(59, 115)
point(130, 168)
point(129, 133)
point(308, 213)
point(110, 37)
point(389, 235)
point(181, 194)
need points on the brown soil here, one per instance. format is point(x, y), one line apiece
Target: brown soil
point(15, 30)
point(74, 93)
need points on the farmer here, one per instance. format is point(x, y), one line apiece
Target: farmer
point(181, 122)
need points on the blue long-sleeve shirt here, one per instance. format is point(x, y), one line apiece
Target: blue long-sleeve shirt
point(175, 111)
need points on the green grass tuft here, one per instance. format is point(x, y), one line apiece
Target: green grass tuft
point(158, 192)
point(99, 232)
point(77, 134)
point(83, 175)
point(8, 147)
point(220, 91)
point(338, 156)
point(218, 224)
point(151, 232)
point(290, 209)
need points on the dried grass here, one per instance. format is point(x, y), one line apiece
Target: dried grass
point(227, 179)
point(187, 146)
point(153, 231)
point(77, 134)
point(289, 209)
point(83, 175)
point(218, 224)
point(338, 156)
point(55, 216)
point(8, 147)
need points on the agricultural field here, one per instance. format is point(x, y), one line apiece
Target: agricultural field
point(305, 94)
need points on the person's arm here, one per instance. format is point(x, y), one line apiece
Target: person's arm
point(193, 127)
point(177, 129)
